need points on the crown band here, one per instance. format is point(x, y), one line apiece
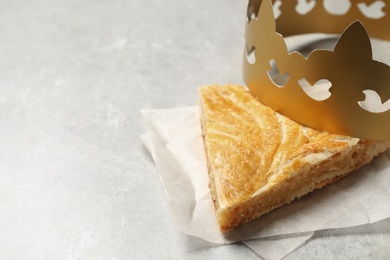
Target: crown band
point(280, 79)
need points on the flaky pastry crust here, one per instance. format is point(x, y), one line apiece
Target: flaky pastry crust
point(259, 160)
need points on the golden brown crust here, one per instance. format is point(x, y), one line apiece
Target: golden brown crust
point(259, 160)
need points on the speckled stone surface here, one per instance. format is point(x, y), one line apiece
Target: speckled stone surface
point(76, 182)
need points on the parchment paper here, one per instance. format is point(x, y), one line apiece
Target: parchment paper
point(175, 142)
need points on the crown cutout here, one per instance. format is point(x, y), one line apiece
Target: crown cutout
point(343, 90)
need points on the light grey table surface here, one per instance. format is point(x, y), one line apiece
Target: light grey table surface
point(76, 182)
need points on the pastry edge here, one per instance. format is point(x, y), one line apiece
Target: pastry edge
point(276, 195)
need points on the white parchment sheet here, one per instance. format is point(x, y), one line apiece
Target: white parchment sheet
point(175, 142)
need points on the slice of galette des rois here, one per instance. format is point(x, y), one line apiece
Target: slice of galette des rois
point(259, 160)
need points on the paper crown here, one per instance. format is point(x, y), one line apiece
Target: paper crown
point(285, 80)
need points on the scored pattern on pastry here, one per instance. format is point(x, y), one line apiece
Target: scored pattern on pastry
point(243, 132)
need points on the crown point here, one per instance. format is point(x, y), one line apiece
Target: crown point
point(354, 42)
point(266, 14)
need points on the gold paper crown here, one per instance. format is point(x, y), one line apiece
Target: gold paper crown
point(284, 81)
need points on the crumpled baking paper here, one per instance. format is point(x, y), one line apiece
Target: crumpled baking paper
point(174, 139)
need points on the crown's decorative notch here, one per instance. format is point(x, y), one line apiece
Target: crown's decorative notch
point(286, 81)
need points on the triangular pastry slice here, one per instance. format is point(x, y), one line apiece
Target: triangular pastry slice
point(259, 160)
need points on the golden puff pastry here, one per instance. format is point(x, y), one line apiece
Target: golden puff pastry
point(259, 160)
